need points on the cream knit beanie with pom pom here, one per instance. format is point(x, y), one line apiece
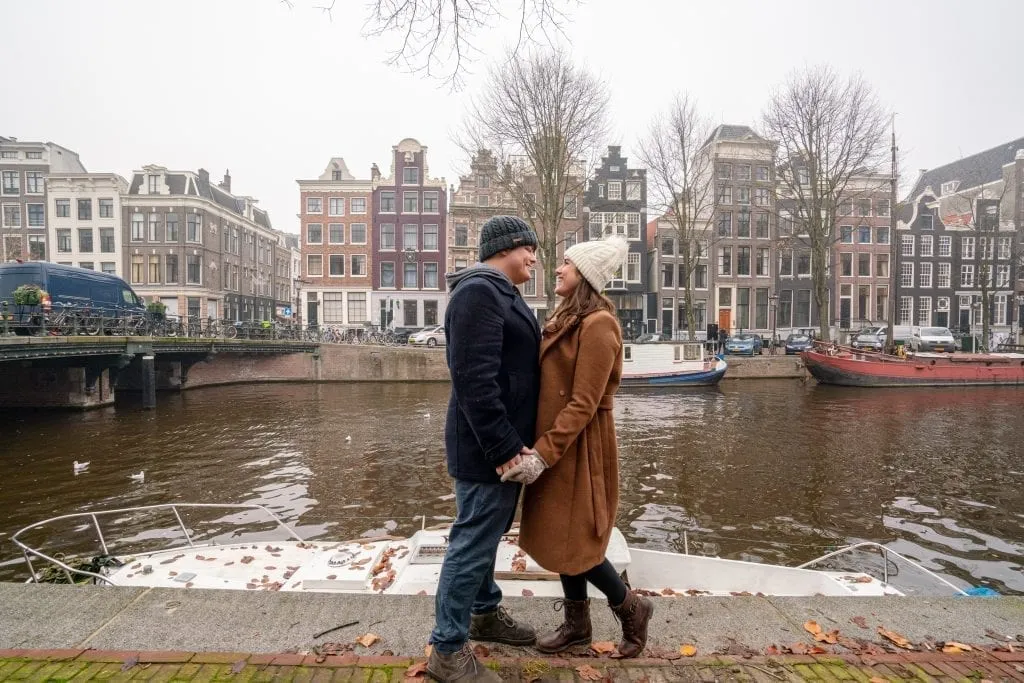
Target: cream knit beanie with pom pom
point(597, 260)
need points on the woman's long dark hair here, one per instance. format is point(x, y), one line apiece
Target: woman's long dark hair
point(583, 301)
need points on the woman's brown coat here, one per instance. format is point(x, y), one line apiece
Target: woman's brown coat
point(569, 512)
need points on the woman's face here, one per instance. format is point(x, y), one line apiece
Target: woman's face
point(567, 278)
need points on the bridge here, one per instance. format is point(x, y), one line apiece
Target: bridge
point(86, 371)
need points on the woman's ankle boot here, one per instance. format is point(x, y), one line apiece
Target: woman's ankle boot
point(574, 630)
point(634, 614)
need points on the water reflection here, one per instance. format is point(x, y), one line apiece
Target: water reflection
point(766, 471)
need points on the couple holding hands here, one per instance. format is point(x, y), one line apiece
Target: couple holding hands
point(513, 385)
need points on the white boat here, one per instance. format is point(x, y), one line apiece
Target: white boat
point(404, 566)
point(670, 364)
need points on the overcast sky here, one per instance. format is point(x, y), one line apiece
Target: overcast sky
point(272, 93)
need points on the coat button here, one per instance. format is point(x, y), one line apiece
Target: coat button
point(561, 392)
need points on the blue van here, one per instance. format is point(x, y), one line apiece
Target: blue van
point(79, 288)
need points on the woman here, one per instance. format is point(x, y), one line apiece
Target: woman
point(569, 512)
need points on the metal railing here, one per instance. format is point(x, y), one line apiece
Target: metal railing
point(885, 552)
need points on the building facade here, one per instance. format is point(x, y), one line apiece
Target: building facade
point(201, 250)
point(861, 273)
point(666, 282)
point(85, 220)
point(337, 254)
point(24, 167)
point(409, 241)
point(476, 199)
point(615, 203)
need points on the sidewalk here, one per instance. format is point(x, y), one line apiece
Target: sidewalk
point(87, 665)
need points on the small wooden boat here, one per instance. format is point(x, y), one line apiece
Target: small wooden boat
point(862, 369)
point(670, 364)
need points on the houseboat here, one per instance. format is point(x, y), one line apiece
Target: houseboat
point(861, 369)
point(670, 364)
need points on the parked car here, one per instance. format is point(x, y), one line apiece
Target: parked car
point(431, 336)
point(797, 342)
point(933, 339)
point(744, 343)
point(647, 337)
point(869, 339)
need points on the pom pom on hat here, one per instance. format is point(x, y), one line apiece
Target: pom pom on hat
point(597, 260)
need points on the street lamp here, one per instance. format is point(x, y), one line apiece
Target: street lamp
point(773, 300)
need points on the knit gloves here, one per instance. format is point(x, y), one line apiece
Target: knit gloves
point(529, 468)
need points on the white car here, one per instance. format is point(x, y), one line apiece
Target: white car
point(431, 336)
point(933, 339)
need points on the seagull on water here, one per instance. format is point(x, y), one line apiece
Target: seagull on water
point(81, 466)
point(140, 477)
point(348, 439)
point(426, 416)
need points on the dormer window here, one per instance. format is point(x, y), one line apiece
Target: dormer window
point(410, 175)
point(950, 187)
point(153, 184)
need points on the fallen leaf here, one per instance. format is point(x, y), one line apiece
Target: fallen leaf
point(603, 647)
point(188, 585)
point(860, 621)
point(332, 577)
point(812, 627)
point(416, 670)
point(895, 638)
point(667, 591)
point(830, 637)
point(589, 673)
point(247, 559)
point(481, 650)
point(527, 593)
point(367, 639)
point(771, 651)
point(422, 593)
point(687, 650)
point(951, 647)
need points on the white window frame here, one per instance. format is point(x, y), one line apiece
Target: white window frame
point(571, 207)
point(906, 245)
point(329, 231)
point(927, 246)
point(335, 206)
point(416, 200)
point(309, 201)
point(967, 275)
point(309, 259)
point(945, 246)
point(361, 258)
point(967, 247)
point(437, 202)
point(1005, 244)
point(924, 311)
point(40, 185)
point(352, 235)
point(352, 205)
point(906, 310)
point(331, 259)
point(1002, 276)
point(943, 276)
point(437, 237)
point(614, 190)
point(394, 275)
point(633, 259)
point(634, 191)
point(28, 215)
point(924, 275)
point(907, 274)
point(319, 225)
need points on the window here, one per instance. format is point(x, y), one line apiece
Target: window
point(761, 173)
point(761, 196)
point(12, 182)
point(85, 240)
point(803, 263)
point(461, 235)
point(967, 276)
point(154, 227)
point(88, 265)
point(668, 274)
point(906, 275)
point(106, 208)
point(633, 267)
point(943, 277)
point(570, 239)
point(357, 205)
point(154, 268)
point(906, 245)
point(614, 190)
point(387, 236)
point(430, 238)
point(171, 266)
point(410, 235)
point(333, 307)
point(949, 187)
point(632, 191)
point(410, 279)
point(846, 265)
point(85, 209)
point(314, 205)
point(1002, 276)
point(927, 221)
point(430, 276)
point(784, 315)
point(62, 208)
point(63, 241)
point(194, 228)
point(725, 224)
point(803, 177)
point(36, 215)
point(881, 235)
point(724, 194)
point(483, 181)
point(863, 207)
point(315, 233)
point(762, 261)
point(632, 225)
point(336, 265)
point(570, 207)
point(108, 267)
point(314, 265)
point(387, 274)
point(153, 184)
point(924, 275)
point(743, 172)
point(999, 310)
point(357, 233)
point(924, 310)
point(863, 235)
point(137, 274)
point(725, 171)
point(460, 264)
point(387, 201)
point(1004, 248)
point(743, 224)
point(430, 202)
point(410, 175)
point(881, 265)
point(668, 246)
point(846, 234)
point(194, 269)
point(530, 286)
point(725, 260)
point(926, 245)
point(785, 223)
point(356, 307)
point(429, 313)
point(864, 265)
point(335, 206)
point(742, 195)
point(107, 240)
point(786, 262)
point(967, 247)
point(336, 233)
point(410, 202)
point(700, 277)
point(34, 182)
point(802, 313)
point(761, 226)
point(9, 154)
point(138, 227)
point(945, 246)
point(483, 200)
point(743, 261)
point(882, 207)
point(942, 303)
point(336, 175)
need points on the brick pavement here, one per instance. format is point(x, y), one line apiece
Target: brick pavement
point(87, 665)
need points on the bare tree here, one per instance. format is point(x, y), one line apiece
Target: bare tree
point(680, 172)
point(544, 119)
point(828, 130)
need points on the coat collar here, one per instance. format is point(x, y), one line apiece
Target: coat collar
point(520, 307)
point(549, 341)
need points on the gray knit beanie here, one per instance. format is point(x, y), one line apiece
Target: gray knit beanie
point(505, 232)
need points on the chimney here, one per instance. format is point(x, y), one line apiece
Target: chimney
point(226, 183)
point(374, 173)
point(204, 176)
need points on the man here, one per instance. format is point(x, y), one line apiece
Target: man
point(493, 342)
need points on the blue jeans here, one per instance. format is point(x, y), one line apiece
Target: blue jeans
point(466, 585)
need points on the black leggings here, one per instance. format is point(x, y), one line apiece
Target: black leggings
point(603, 576)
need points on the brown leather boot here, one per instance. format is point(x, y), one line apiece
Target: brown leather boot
point(574, 629)
point(634, 614)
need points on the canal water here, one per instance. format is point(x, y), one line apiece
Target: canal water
point(771, 471)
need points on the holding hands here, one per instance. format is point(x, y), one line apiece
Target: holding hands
point(524, 468)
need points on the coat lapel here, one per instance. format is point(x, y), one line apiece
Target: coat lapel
point(548, 342)
point(520, 307)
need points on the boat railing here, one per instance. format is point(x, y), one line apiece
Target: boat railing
point(28, 552)
point(886, 554)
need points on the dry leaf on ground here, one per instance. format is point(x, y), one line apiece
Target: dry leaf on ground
point(951, 647)
point(830, 637)
point(687, 650)
point(860, 621)
point(416, 670)
point(895, 638)
point(603, 647)
point(589, 673)
point(481, 650)
point(812, 627)
point(367, 639)
point(527, 593)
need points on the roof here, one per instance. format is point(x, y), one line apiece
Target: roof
point(977, 169)
point(733, 132)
